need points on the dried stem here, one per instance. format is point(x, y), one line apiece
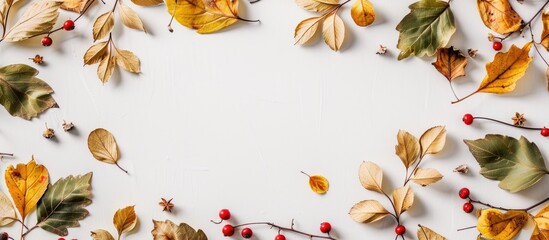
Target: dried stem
point(28, 231)
point(6, 154)
point(508, 209)
point(116, 163)
point(461, 99)
point(289, 229)
point(526, 24)
point(508, 124)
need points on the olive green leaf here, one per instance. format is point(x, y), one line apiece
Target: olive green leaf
point(428, 26)
point(62, 206)
point(168, 230)
point(518, 164)
point(22, 94)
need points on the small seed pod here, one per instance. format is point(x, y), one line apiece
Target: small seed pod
point(67, 126)
point(48, 133)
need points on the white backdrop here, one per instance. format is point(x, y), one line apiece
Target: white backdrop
point(229, 120)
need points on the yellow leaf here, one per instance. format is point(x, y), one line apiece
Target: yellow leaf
point(499, 16)
point(38, 18)
point(545, 33)
point(26, 184)
point(426, 176)
point(493, 224)
point(101, 234)
point(363, 13)
point(433, 140)
point(333, 30)
point(147, 3)
point(425, 233)
point(368, 211)
point(124, 220)
point(317, 5)
point(371, 176)
point(306, 30)
point(103, 25)
point(7, 212)
point(403, 199)
point(96, 53)
point(106, 67)
point(76, 6)
point(130, 18)
point(318, 184)
point(407, 148)
point(541, 220)
point(450, 62)
point(127, 60)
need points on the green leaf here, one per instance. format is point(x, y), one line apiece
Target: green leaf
point(62, 206)
point(22, 94)
point(518, 164)
point(428, 26)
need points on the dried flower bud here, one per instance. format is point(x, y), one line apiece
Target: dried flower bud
point(48, 133)
point(67, 126)
point(382, 50)
point(472, 52)
point(37, 59)
point(491, 37)
point(170, 28)
point(462, 169)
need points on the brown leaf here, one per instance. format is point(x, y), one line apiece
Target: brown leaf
point(130, 18)
point(433, 140)
point(545, 33)
point(76, 6)
point(403, 199)
point(368, 211)
point(167, 230)
point(426, 176)
point(147, 3)
point(125, 220)
point(103, 147)
point(371, 176)
point(425, 233)
point(407, 148)
point(127, 60)
point(333, 30)
point(103, 25)
point(363, 13)
point(450, 62)
point(101, 234)
point(96, 53)
point(499, 16)
point(306, 29)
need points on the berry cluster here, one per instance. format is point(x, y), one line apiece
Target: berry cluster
point(67, 26)
point(468, 120)
point(228, 230)
point(464, 194)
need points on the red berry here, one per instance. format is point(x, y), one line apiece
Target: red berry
point(68, 25)
point(47, 41)
point(468, 119)
point(400, 230)
point(468, 207)
point(280, 237)
point(325, 227)
point(60, 239)
point(545, 132)
point(497, 46)
point(4, 236)
point(228, 230)
point(464, 193)
point(247, 233)
point(225, 214)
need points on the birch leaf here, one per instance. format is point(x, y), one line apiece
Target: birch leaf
point(167, 230)
point(306, 30)
point(317, 5)
point(363, 13)
point(106, 67)
point(333, 30)
point(499, 16)
point(493, 224)
point(371, 176)
point(96, 53)
point(426, 176)
point(368, 211)
point(130, 18)
point(147, 3)
point(450, 63)
point(407, 148)
point(26, 184)
point(22, 94)
point(425, 233)
point(403, 198)
point(433, 140)
point(103, 25)
point(63, 204)
point(125, 220)
point(101, 234)
point(545, 32)
point(38, 18)
point(127, 60)
point(7, 212)
point(103, 147)
point(428, 26)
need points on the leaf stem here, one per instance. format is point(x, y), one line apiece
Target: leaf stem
point(281, 228)
point(508, 124)
point(17, 220)
point(5, 22)
point(526, 24)
point(461, 99)
point(28, 231)
point(453, 91)
point(116, 163)
point(6, 154)
point(247, 20)
point(508, 209)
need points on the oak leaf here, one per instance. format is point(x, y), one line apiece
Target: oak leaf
point(432, 141)
point(368, 211)
point(493, 224)
point(426, 176)
point(363, 13)
point(167, 230)
point(7, 212)
point(130, 18)
point(450, 63)
point(101, 234)
point(371, 176)
point(407, 148)
point(306, 29)
point(103, 25)
point(125, 220)
point(403, 199)
point(425, 233)
point(499, 16)
point(333, 31)
point(317, 5)
point(37, 19)
point(103, 147)
point(545, 32)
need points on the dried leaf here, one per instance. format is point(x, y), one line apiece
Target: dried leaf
point(428, 26)
point(125, 220)
point(363, 13)
point(462, 169)
point(545, 33)
point(433, 140)
point(38, 18)
point(103, 146)
point(403, 199)
point(368, 211)
point(22, 94)
point(371, 176)
point(425, 233)
point(306, 29)
point(37, 59)
point(101, 234)
point(167, 205)
point(26, 184)
point(76, 6)
point(206, 16)
point(450, 62)
point(127, 60)
point(493, 224)
point(333, 30)
point(317, 5)
point(96, 53)
point(472, 52)
point(130, 18)
point(167, 230)
point(7, 212)
point(318, 184)
point(103, 25)
point(499, 16)
point(106, 67)
point(147, 3)
point(63, 204)
point(381, 50)
point(518, 164)
point(541, 228)
point(426, 176)
point(407, 148)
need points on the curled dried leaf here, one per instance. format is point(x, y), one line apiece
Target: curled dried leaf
point(499, 16)
point(450, 63)
point(425, 233)
point(493, 224)
point(371, 176)
point(426, 176)
point(125, 220)
point(407, 148)
point(7, 212)
point(306, 30)
point(403, 199)
point(433, 140)
point(368, 211)
point(101, 234)
point(103, 25)
point(169, 230)
point(96, 53)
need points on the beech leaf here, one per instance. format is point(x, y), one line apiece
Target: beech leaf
point(125, 220)
point(368, 211)
point(147, 3)
point(22, 94)
point(103, 147)
point(545, 32)
point(103, 25)
point(425, 233)
point(450, 63)
point(371, 176)
point(493, 224)
point(333, 31)
point(127, 60)
point(428, 26)
point(130, 18)
point(499, 16)
point(403, 199)
point(363, 13)
point(407, 148)
point(167, 230)
point(433, 140)
point(63, 204)
point(518, 164)
point(306, 29)
point(101, 234)
point(206, 16)
point(38, 18)
point(26, 184)
point(426, 176)
point(317, 5)
point(7, 212)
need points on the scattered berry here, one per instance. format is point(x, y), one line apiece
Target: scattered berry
point(325, 227)
point(61, 239)
point(468, 119)
point(468, 207)
point(68, 25)
point(545, 132)
point(497, 46)
point(225, 214)
point(47, 41)
point(400, 230)
point(228, 230)
point(280, 237)
point(247, 233)
point(464, 193)
point(4, 236)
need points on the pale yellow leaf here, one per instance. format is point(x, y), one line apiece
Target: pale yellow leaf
point(306, 29)
point(407, 148)
point(403, 199)
point(106, 68)
point(103, 25)
point(76, 6)
point(368, 211)
point(39, 17)
point(102, 145)
point(124, 220)
point(493, 224)
point(499, 16)
point(333, 30)
point(127, 60)
point(7, 212)
point(426, 176)
point(363, 13)
point(130, 18)
point(317, 5)
point(101, 234)
point(147, 3)
point(26, 184)
point(206, 16)
point(371, 176)
point(545, 32)
point(96, 53)
point(425, 233)
point(433, 140)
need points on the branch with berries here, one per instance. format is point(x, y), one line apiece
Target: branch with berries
point(518, 122)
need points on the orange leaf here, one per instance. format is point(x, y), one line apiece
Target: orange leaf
point(318, 184)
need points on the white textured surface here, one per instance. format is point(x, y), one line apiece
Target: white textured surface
point(228, 120)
